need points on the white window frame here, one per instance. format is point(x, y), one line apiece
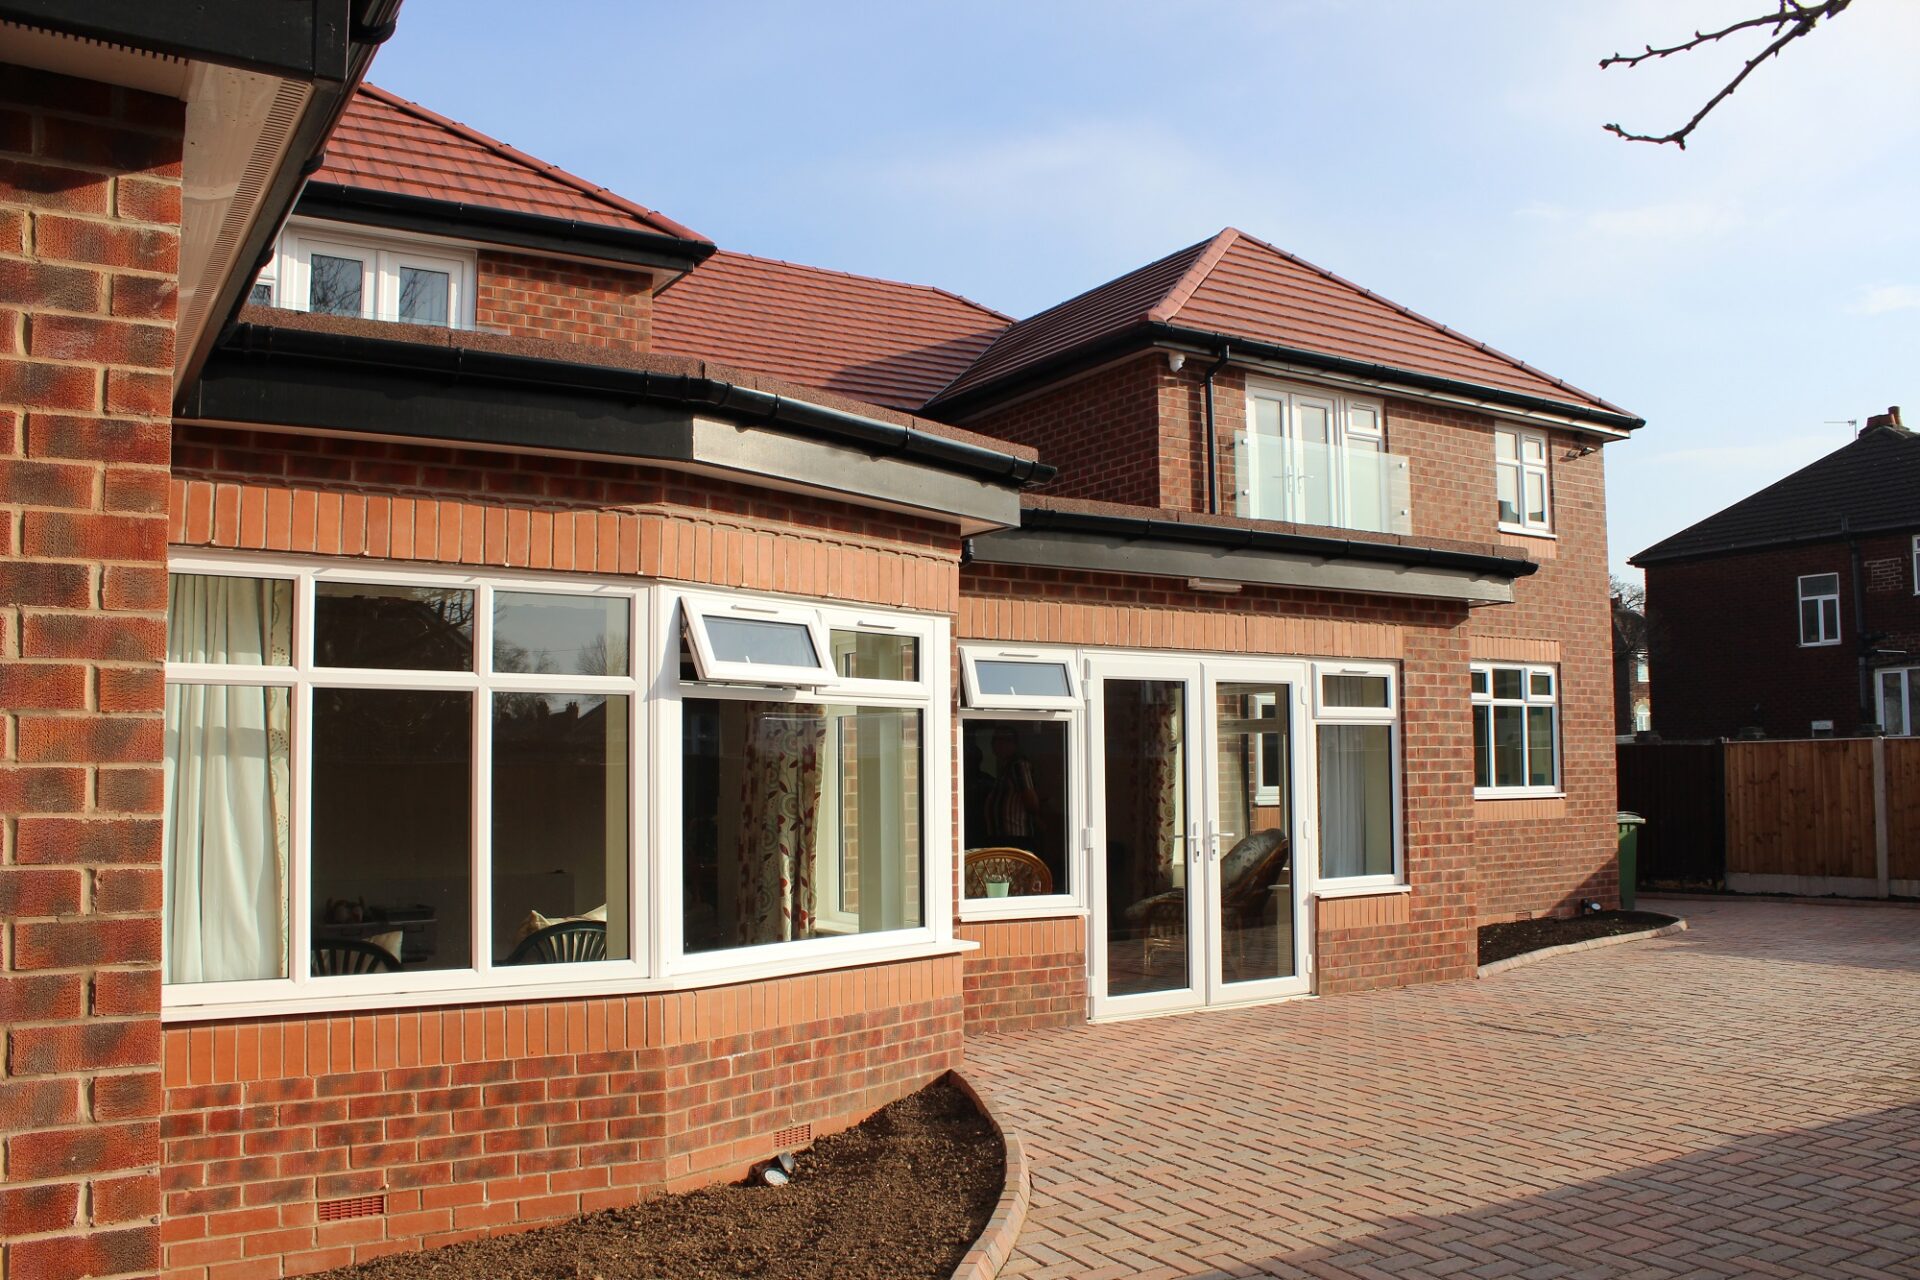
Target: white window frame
point(1351, 420)
point(290, 273)
point(1265, 705)
point(655, 690)
point(930, 694)
point(1520, 467)
point(1908, 680)
point(1073, 900)
point(1801, 600)
point(698, 609)
point(1916, 564)
point(972, 654)
point(1323, 716)
point(1527, 699)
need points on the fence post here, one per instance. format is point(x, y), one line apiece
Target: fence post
point(1880, 861)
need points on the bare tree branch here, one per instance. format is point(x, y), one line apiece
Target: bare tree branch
point(1792, 20)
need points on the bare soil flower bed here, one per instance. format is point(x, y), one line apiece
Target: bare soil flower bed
point(899, 1197)
point(1504, 941)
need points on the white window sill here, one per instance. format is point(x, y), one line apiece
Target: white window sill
point(1818, 644)
point(178, 1004)
point(1518, 793)
point(1526, 532)
point(984, 910)
point(1337, 890)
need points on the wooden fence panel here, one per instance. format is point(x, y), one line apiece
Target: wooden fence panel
point(1800, 808)
point(1903, 808)
point(1676, 787)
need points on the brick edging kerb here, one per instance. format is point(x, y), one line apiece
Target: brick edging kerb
point(1547, 953)
point(996, 1240)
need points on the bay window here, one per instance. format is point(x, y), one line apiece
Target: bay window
point(387, 786)
point(1516, 730)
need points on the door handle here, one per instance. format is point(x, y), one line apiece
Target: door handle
point(1194, 847)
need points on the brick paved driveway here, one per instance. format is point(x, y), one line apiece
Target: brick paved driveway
point(1739, 1100)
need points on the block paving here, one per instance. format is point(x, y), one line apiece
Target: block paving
point(1742, 1099)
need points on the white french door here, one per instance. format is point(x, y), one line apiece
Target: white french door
point(1198, 782)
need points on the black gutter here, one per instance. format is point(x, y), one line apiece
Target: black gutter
point(501, 226)
point(1150, 333)
point(301, 41)
point(429, 367)
point(1235, 537)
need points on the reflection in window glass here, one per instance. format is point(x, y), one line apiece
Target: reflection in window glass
point(997, 678)
point(1014, 807)
point(766, 644)
point(538, 633)
point(227, 808)
point(1509, 747)
point(868, 655)
point(798, 821)
point(392, 627)
point(215, 618)
point(1482, 746)
point(1146, 820)
point(560, 817)
point(1540, 771)
point(1506, 682)
point(261, 294)
point(334, 285)
point(1356, 800)
point(392, 830)
point(424, 295)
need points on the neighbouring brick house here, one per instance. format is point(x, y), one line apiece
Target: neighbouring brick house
point(1796, 612)
point(504, 707)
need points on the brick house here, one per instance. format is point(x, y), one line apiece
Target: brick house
point(1796, 611)
point(506, 707)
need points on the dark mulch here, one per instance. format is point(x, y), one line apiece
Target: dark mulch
point(1502, 941)
point(899, 1197)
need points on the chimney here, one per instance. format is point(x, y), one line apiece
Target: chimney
point(1889, 420)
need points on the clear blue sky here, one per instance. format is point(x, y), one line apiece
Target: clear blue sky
point(1738, 295)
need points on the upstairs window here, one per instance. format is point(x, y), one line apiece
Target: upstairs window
point(1819, 609)
point(1521, 480)
point(340, 273)
point(1313, 457)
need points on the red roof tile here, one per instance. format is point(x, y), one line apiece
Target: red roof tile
point(1246, 288)
point(386, 143)
point(875, 340)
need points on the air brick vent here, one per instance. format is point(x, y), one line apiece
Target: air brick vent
point(793, 1137)
point(353, 1207)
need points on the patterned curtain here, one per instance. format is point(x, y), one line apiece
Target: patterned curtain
point(780, 803)
point(1160, 763)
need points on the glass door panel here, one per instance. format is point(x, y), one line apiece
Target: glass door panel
point(1250, 839)
point(1148, 923)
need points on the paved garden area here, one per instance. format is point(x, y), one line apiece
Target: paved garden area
point(1739, 1100)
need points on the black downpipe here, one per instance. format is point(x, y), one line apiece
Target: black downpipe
point(1213, 439)
point(1869, 714)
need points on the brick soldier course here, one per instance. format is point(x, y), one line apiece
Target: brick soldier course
point(1736, 1100)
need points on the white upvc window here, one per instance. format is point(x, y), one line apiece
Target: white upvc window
point(1310, 456)
point(1916, 564)
point(747, 640)
point(1356, 731)
point(1021, 782)
point(1819, 609)
point(1522, 481)
point(328, 269)
point(1516, 730)
point(1018, 678)
point(387, 786)
point(1900, 701)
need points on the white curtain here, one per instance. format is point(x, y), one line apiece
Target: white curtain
point(226, 778)
point(1355, 800)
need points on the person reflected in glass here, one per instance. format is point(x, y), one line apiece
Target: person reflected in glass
point(1013, 801)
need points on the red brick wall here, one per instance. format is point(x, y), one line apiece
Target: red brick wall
point(1726, 637)
point(533, 297)
point(89, 239)
point(1026, 974)
point(1102, 431)
point(489, 1117)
